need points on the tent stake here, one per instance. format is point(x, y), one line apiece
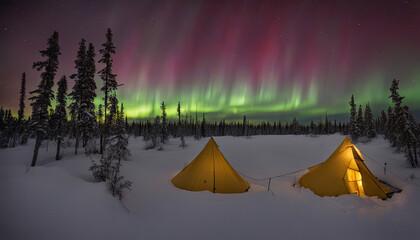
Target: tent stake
point(269, 182)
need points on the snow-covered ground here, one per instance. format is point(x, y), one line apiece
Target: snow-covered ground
point(61, 200)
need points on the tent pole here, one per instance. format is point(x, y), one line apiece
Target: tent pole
point(214, 175)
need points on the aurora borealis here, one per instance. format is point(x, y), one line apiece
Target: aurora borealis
point(269, 60)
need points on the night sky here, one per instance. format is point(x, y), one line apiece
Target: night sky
point(269, 60)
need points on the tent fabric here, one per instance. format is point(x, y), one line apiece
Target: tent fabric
point(344, 172)
point(210, 171)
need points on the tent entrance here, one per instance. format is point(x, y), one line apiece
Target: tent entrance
point(354, 183)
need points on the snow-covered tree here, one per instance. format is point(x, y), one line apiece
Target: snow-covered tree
point(83, 95)
point(2, 113)
point(352, 123)
point(164, 134)
point(100, 117)
point(294, 127)
point(244, 127)
point(109, 79)
point(203, 126)
point(42, 96)
point(113, 112)
point(395, 97)
point(3, 139)
point(76, 95)
point(312, 128)
point(197, 135)
point(360, 121)
point(157, 133)
point(405, 129)
point(382, 122)
point(398, 120)
point(369, 125)
point(180, 126)
point(89, 120)
point(103, 170)
point(389, 131)
point(407, 135)
point(8, 133)
point(117, 150)
point(60, 113)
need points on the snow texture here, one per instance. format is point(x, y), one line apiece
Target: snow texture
point(61, 200)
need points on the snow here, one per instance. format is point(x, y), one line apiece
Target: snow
point(61, 200)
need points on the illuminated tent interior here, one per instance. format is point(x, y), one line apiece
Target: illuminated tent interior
point(344, 172)
point(210, 171)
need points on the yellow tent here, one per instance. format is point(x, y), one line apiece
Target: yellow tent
point(210, 171)
point(344, 172)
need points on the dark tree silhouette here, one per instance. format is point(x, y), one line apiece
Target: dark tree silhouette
point(108, 78)
point(164, 134)
point(21, 112)
point(369, 125)
point(180, 126)
point(60, 112)
point(42, 96)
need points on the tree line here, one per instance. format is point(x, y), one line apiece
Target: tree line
point(85, 125)
point(398, 125)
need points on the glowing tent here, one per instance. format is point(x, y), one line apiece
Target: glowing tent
point(210, 171)
point(344, 172)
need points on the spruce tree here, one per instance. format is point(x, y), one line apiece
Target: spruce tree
point(294, 126)
point(407, 135)
point(42, 96)
point(405, 126)
point(312, 128)
point(326, 126)
point(113, 112)
point(180, 126)
point(118, 150)
point(21, 112)
point(100, 126)
point(197, 135)
point(83, 95)
point(157, 133)
point(89, 93)
point(244, 126)
point(103, 170)
point(382, 122)
point(353, 127)
point(360, 121)
point(369, 126)
point(3, 139)
point(390, 131)
point(164, 134)
point(61, 114)
point(9, 132)
point(395, 97)
point(76, 108)
point(2, 113)
point(22, 126)
point(108, 78)
point(398, 119)
point(203, 126)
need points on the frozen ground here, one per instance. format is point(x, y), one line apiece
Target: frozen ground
point(60, 199)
